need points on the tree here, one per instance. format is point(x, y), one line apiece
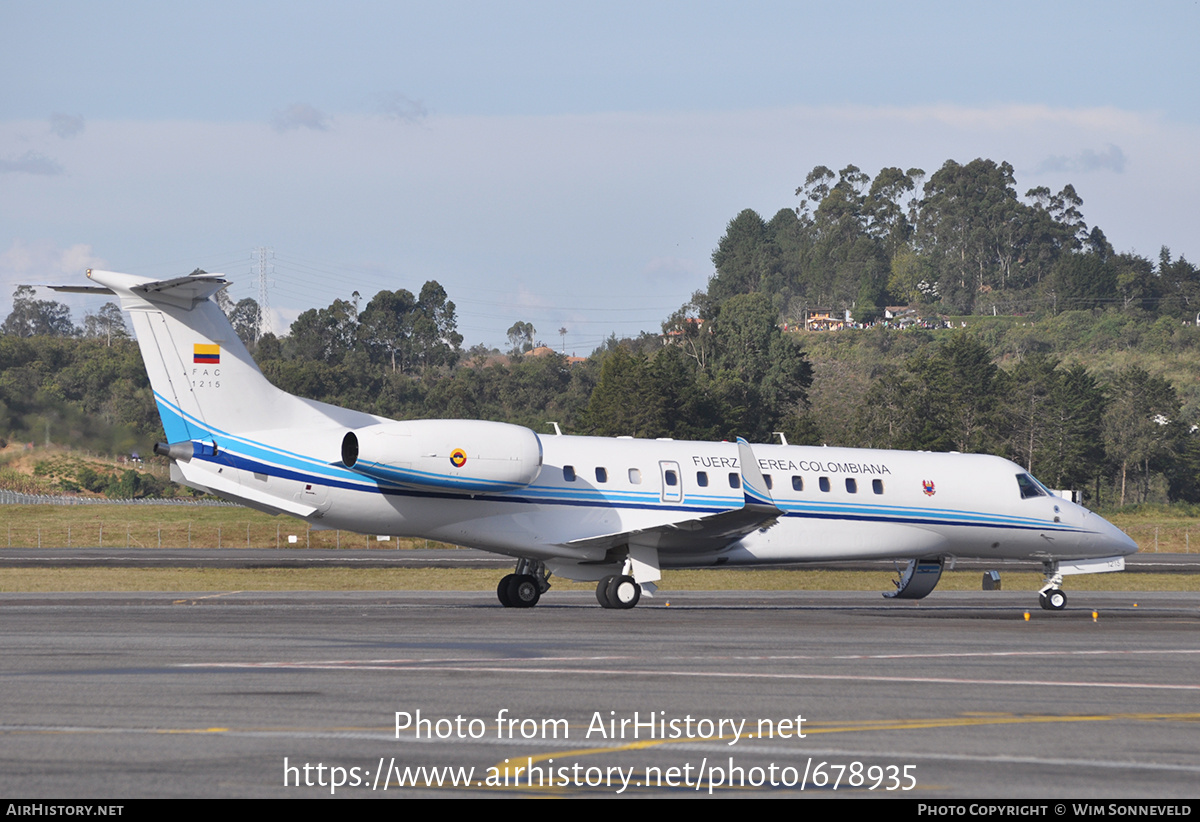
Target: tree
point(323, 335)
point(106, 323)
point(968, 225)
point(960, 393)
point(33, 317)
point(887, 217)
point(385, 329)
point(1080, 281)
point(520, 338)
point(1141, 427)
point(246, 318)
point(1034, 381)
point(1135, 281)
point(741, 258)
point(758, 375)
point(436, 341)
point(1074, 452)
point(409, 334)
point(1179, 283)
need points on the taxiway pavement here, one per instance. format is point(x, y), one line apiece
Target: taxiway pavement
point(954, 697)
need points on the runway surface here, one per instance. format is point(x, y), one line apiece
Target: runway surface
point(260, 695)
point(118, 557)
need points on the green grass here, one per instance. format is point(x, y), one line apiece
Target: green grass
point(227, 526)
point(170, 526)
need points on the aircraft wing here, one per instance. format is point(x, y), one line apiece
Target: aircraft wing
point(711, 533)
point(708, 533)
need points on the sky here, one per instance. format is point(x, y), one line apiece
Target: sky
point(569, 164)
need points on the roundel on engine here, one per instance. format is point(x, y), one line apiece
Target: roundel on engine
point(458, 458)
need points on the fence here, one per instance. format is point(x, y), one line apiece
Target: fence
point(15, 498)
point(1164, 539)
point(32, 521)
point(118, 533)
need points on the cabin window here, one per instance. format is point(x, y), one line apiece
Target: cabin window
point(702, 479)
point(601, 475)
point(851, 485)
point(824, 483)
point(797, 483)
point(670, 478)
point(735, 480)
point(635, 476)
point(1029, 487)
point(877, 486)
point(770, 483)
point(569, 473)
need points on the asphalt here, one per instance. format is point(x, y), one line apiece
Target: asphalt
point(959, 696)
point(436, 558)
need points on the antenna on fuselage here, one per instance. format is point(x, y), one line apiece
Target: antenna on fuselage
point(557, 430)
point(782, 437)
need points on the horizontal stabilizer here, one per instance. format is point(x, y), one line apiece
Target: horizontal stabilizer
point(181, 292)
point(80, 289)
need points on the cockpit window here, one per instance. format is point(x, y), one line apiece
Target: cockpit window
point(1030, 487)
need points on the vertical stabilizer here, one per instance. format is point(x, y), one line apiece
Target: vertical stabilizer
point(205, 382)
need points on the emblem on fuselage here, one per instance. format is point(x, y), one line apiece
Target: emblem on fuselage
point(927, 485)
point(458, 458)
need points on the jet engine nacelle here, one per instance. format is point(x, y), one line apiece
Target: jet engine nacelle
point(467, 456)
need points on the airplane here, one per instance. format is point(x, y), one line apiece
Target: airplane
point(614, 511)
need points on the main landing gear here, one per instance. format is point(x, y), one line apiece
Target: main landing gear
point(618, 591)
point(1051, 596)
point(524, 588)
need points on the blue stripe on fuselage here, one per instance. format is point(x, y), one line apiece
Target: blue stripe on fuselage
point(256, 457)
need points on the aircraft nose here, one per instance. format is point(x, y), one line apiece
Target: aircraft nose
point(1110, 539)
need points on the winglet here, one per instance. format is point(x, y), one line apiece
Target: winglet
point(754, 486)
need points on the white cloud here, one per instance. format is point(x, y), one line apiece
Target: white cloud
point(300, 115)
point(401, 107)
point(66, 126)
point(672, 270)
point(1112, 158)
point(43, 262)
point(607, 207)
point(31, 162)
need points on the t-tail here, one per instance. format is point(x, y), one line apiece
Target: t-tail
point(204, 380)
point(210, 393)
point(231, 432)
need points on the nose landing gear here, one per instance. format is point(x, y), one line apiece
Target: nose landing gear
point(1051, 596)
point(1054, 599)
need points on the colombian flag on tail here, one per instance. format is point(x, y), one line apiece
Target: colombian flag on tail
point(207, 354)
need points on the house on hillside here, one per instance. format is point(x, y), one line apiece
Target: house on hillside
point(825, 319)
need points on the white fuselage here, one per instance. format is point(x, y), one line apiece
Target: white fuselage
point(837, 503)
point(584, 507)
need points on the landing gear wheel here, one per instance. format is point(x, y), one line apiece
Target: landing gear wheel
point(1053, 600)
point(624, 592)
point(602, 592)
point(523, 591)
point(502, 591)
